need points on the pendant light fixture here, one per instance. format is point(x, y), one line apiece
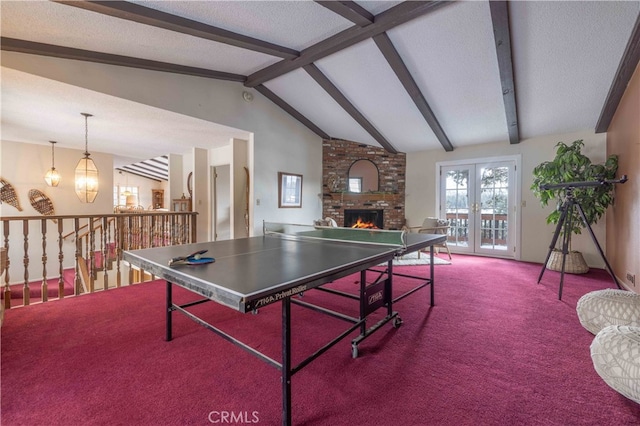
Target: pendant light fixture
point(52, 177)
point(126, 191)
point(86, 170)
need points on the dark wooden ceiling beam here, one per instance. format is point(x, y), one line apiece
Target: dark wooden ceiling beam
point(337, 95)
point(626, 68)
point(151, 166)
point(291, 111)
point(349, 10)
point(402, 72)
point(502, 37)
point(34, 48)
point(126, 169)
point(163, 161)
point(397, 15)
point(142, 166)
point(148, 16)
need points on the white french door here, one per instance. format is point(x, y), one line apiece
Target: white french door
point(479, 200)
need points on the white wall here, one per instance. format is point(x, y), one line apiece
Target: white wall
point(24, 165)
point(200, 187)
point(536, 234)
point(280, 143)
point(238, 188)
point(177, 179)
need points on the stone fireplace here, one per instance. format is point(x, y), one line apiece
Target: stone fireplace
point(337, 158)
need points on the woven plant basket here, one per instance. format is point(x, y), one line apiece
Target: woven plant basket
point(574, 264)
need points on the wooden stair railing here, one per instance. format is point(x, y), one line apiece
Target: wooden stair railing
point(89, 246)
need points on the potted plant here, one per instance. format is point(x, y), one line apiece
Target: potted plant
point(571, 165)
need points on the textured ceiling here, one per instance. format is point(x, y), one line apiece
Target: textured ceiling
point(565, 57)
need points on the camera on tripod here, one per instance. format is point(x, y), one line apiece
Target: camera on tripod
point(565, 222)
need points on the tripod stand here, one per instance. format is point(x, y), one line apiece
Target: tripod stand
point(566, 217)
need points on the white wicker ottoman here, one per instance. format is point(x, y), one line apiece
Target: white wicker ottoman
point(615, 352)
point(601, 308)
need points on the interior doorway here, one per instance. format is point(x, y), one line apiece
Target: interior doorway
point(221, 211)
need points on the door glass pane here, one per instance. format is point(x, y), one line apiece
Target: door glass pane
point(457, 206)
point(494, 201)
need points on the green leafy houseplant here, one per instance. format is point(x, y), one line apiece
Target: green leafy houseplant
point(571, 165)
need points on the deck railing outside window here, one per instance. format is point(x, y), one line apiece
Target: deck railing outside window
point(493, 228)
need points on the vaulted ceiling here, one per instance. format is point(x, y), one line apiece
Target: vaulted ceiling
point(406, 76)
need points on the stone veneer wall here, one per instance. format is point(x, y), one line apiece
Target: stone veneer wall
point(337, 158)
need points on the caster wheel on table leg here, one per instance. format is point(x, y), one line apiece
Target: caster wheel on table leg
point(397, 322)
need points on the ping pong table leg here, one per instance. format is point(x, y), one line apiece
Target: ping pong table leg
point(431, 270)
point(286, 361)
point(169, 311)
point(363, 306)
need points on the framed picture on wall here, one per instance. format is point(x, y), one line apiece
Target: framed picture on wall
point(289, 190)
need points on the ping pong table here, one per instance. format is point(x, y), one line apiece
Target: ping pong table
point(288, 260)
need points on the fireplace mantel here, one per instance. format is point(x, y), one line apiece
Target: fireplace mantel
point(371, 196)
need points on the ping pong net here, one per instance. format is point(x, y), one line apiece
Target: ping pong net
point(346, 235)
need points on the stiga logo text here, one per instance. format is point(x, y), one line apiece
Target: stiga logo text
point(280, 296)
point(375, 297)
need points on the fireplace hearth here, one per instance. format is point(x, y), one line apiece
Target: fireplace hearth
point(373, 216)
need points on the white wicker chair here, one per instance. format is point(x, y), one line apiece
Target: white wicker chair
point(433, 225)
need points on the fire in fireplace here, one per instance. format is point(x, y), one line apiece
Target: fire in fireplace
point(363, 218)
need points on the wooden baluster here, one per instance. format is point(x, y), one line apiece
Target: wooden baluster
point(92, 256)
point(143, 237)
point(194, 233)
point(7, 289)
point(105, 253)
point(140, 237)
point(174, 226)
point(148, 226)
point(141, 232)
point(78, 283)
point(44, 288)
point(119, 223)
point(160, 230)
point(185, 228)
point(84, 255)
point(129, 246)
point(60, 261)
point(25, 291)
point(153, 234)
point(130, 240)
point(163, 236)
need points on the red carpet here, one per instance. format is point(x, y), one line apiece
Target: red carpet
point(496, 349)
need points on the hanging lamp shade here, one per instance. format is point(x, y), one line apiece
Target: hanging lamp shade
point(52, 177)
point(86, 172)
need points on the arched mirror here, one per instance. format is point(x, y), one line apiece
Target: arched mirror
point(362, 176)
